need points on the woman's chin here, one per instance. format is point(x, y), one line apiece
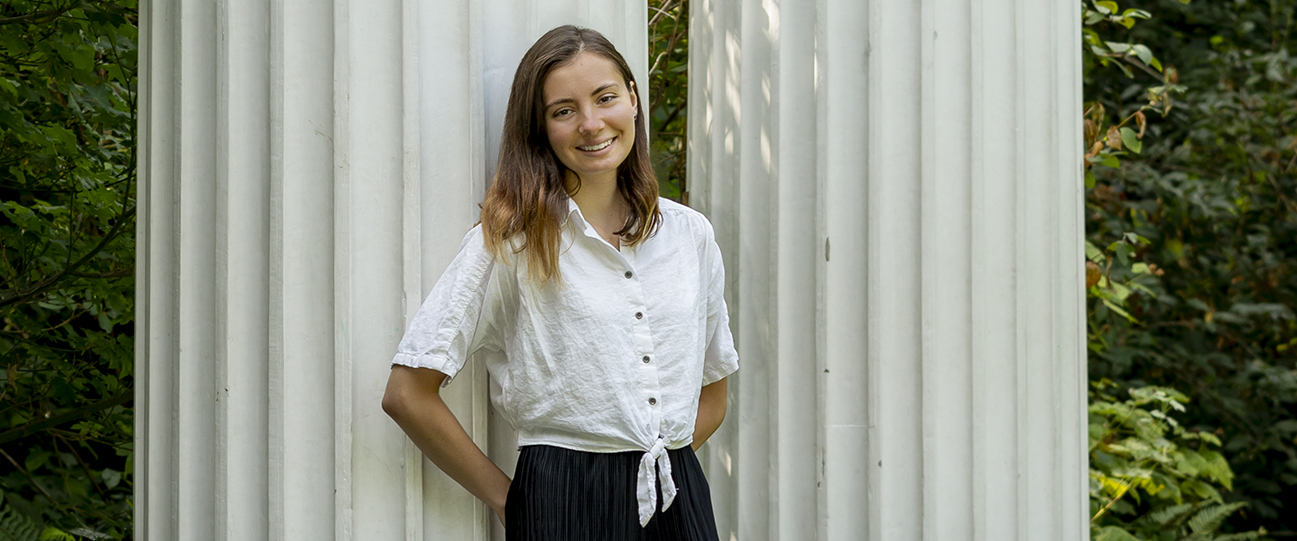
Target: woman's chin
point(597, 167)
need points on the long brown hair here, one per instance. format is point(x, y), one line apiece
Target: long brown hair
point(528, 195)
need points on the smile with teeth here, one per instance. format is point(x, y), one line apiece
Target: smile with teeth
point(597, 147)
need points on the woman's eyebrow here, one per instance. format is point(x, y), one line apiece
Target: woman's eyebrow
point(602, 88)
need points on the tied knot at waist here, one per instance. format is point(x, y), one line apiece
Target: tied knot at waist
point(647, 496)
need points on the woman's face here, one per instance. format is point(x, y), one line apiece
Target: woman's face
point(589, 116)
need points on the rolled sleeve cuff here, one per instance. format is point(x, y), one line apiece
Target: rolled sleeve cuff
point(436, 362)
point(720, 371)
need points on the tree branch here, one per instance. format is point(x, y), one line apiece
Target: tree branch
point(121, 273)
point(71, 415)
point(16, 296)
point(39, 17)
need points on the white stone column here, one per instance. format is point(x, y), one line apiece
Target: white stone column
point(307, 170)
point(896, 186)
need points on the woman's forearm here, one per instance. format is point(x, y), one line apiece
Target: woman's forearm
point(711, 411)
point(412, 399)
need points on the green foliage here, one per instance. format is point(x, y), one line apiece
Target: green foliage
point(1193, 240)
point(67, 173)
point(1151, 478)
point(668, 94)
point(17, 527)
point(1106, 143)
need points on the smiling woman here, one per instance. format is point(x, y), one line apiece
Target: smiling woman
point(572, 89)
point(591, 131)
point(599, 312)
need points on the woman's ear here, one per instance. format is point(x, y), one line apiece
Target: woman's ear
point(634, 96)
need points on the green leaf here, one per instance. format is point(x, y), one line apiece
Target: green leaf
point(1173, 514)
point(1144, 54)
point(1118, 310)
point(36, 459)
point(111, 477)
point(54, 534)
point(1112, 533)
point(16, 526)
point(1130, 140)
point(1208, 520)
point(1107, 7)
point(1118, 47)
point(1248, 536)
point(1092, 252)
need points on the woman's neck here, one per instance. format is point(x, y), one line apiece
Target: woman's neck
point(601, 205)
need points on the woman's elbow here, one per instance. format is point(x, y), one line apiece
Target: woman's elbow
point(406, 389)
point(394, 400)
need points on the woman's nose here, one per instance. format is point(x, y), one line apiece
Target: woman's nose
point(591, 122)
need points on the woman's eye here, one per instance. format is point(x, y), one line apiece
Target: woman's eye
point(607, 98)
point(562, 112)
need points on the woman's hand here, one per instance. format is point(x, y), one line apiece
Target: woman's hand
point(711, 411)
point(414, 401)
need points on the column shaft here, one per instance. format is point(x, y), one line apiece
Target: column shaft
point(897, 191)
point(307, 172)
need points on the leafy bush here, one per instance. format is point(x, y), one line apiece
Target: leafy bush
point(67, 202)
point(18, 527)
point(668, 94)
point(1150, 478)
point(1200, 226)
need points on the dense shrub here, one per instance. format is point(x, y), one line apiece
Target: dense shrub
point(67, 252)
point(1196, 229)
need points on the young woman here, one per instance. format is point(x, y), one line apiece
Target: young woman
point(598, 309)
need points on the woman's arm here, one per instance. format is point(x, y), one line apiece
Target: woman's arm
point(711, 411)
point(413, 400)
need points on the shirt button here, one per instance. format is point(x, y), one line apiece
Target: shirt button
point(639, 315)
point(646, 358)
point(629, 274)
point(653, 401)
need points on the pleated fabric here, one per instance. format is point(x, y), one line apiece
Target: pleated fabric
point(565, 495)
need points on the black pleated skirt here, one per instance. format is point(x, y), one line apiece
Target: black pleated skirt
point(564, 495)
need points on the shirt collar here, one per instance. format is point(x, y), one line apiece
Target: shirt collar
point(573, 209)
point(578, 220)
point(584, 227)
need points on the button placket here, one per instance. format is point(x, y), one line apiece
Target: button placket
point(643, 340)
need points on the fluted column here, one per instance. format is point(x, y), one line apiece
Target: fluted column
point(896, 187)
point(307, 171)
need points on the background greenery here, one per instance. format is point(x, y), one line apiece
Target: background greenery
point(1191, 146)
point(67, 172)
point(1192, 236)
point(668, 94)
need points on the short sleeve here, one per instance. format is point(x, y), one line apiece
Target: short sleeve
point(455, 319)
point(720, 359)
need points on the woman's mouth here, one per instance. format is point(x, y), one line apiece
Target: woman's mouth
point(598, 147)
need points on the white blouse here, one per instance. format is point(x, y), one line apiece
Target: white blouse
point(611, 361)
